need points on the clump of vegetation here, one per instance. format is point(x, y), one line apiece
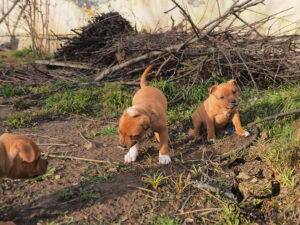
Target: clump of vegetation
point(162, 219)
point(9, 90)
point(28, 53)
point(155, 180)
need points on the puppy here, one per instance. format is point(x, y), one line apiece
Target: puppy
point(148, 111)
point(217, 110)
point(20, 157)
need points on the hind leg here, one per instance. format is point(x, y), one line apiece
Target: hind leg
point(197, 124)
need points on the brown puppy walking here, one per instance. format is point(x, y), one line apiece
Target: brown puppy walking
point(149, 110)
point(217, 110)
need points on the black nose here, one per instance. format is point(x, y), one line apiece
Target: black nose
point(122, 145)
point(232, 101)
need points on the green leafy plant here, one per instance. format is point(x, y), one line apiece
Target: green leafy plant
point(155, 180)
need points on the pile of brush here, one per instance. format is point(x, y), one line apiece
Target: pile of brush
point(102, 32)
point(241, 52)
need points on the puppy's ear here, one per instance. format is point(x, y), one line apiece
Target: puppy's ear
point(145, 122)
point(26, 152)
point(232, 82)
point(213, 89)
point(132, 112)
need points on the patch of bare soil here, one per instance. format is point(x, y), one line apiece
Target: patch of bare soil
point(83, 191)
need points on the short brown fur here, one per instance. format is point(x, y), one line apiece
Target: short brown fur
point(149, 111)
point(217, 110)
point(20, 157)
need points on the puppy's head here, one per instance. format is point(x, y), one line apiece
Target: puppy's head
point(25, 160)
point(132, 126)
point(226, 94)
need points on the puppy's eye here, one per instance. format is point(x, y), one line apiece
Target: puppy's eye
point(134, 137)
point(222, 97)
point(234, 92)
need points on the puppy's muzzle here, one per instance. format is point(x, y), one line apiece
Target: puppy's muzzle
point(233, 102)
point(122, 146)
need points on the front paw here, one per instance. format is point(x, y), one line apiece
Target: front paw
point(211, 141)
point(244, 133)
point(164, 159)
point(132, 154)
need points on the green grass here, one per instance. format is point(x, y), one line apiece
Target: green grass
point(102, 177)
point(26, 53)
point(155, 180)
point(49, 173)
point(164, 220)
point(108, 130)
point(9, 90)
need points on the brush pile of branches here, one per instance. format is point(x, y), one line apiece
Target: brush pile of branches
point(217, 49)
point(101, 33)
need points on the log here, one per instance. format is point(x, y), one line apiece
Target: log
point(66, 64)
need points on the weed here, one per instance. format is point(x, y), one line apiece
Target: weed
point(288, 177)
point(100, 178)
point(196, 171)
point(179, 183)
point(50, 172)
point(9, 90)
point(180, 160)
point(109, 130)
point(64, 195)
point(26, 53)
point(25, 119)
point(115, 97)
point(231, 215)
point(85, 195)
point(81, 101)
point(164, 220)
point(155, 180)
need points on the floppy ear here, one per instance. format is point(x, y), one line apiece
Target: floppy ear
point(232, 82)
point(132, 112)
point(26, 153)
point(145, 122)
point(213, 89)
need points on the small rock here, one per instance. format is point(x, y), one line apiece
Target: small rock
point(243, 176)
point(89, 146)
point(112, 170)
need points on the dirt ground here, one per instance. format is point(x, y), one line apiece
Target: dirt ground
point(78, 192)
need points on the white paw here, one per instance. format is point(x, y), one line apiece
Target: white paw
point(164, 159)
point(211, 140)
point(131, 154)
point(246, 134)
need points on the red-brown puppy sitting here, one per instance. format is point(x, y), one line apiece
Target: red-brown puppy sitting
point(20, 157)
point(148, 111)
point(217, 110)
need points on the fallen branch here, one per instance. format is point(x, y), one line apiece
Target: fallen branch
point(65, 64)
point(199, 210)
point(216, 190)
point(55, 144)
point(76, 158)
point(143, 189)
point(274, 117)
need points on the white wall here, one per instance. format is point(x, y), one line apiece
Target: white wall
point(149, 14)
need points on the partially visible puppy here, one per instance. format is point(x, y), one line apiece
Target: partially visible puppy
point(20, 157)
point(217, 110)
point(148, 111)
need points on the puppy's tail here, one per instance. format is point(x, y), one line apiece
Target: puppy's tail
point(144, 76)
